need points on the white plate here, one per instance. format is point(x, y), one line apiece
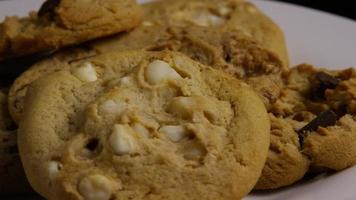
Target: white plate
point(313, 37)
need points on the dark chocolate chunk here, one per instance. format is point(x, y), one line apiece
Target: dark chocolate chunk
point(327, 80)
point(341, 110)
point(324, 82)
point(48, 7)
point(324, 119)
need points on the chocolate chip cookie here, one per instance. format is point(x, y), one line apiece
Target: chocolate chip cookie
point(142, 125)
point(60, 23)
point(313, 125)
point(220, 14)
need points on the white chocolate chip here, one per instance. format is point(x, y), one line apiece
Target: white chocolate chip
point(147, 23)
point(224, 10)
point(96, 187)
point(174, 133)
point(86, 72)
point(181, 106)
point(215, 20)
point(126, 81)
point(195, 152)
point(112, 107)
point(201, 20)
point(159, 71)
point(140, 129)
point(121, 140)
point(53, 168)
point(207, 19)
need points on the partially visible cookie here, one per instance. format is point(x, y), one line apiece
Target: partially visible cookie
point(316, 111)
point(285, 163)
point(142, 125)
point(220, 14)
point(61, 23)
point(229, 50)
point(12, 177)
point(243, 55)
point(232, 52)
point(54, 63)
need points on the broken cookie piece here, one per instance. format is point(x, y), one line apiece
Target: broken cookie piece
point(61, 23)
point(314, 125)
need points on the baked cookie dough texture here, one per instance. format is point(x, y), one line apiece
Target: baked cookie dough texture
point(142, 125)
point(216, 33)
point(224, 15)
point(232, 45)
point(61, 23)
point(313, 126)
point(232, 52)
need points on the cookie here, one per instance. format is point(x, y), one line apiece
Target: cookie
point(12, 176)
point(142, 125)
point(232, 52)
point(316, 111)
point(60, 23)
point(220, 14)
point(54, 63)
point(285, 163)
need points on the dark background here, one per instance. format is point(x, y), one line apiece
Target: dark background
point(341, 7)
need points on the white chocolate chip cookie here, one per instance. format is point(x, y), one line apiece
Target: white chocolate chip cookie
point(176, 130)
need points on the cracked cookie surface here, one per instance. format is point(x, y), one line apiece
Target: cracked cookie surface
point(61, 23)
point(142, 125)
